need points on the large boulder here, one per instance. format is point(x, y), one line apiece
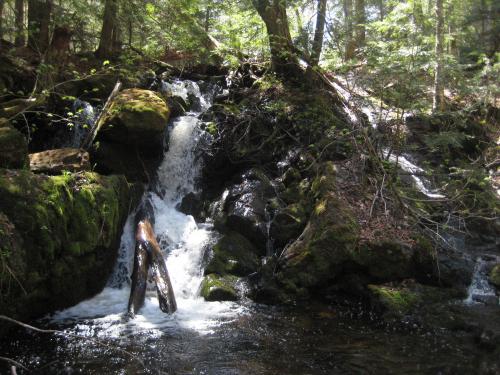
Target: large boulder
point(13, 148)
point(131, 135)
point(137, 118)
point(59, 238)
point(58, 160)
point(327, 245)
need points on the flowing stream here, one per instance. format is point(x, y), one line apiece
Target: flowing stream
point(215, 337)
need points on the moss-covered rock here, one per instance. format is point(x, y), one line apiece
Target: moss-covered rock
point(409, 297)
point(233, 254)
point(387, 259)
point(328, 242)
point(288, 223)
point(60, 238)
point(13, 148)
point(219, 288)
point(495, 275)
point(137, 118)
point(131, 135)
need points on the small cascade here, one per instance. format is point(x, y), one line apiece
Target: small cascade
point(416, 173)
point(85, 117)
point(182, 241)
point(480, 290)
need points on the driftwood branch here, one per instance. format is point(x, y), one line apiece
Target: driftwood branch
point(148, 256)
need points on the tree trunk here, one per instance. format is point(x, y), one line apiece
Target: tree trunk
point(2, 3)
point(319, 33)
point(438, 97)
point(39, 13)
point(283, 57)
point(381, 9)
point(106, 42)
point(20, 39)
point(350, 45)
point(360, 29)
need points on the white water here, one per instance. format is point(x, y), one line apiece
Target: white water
point(182, 240)
point(421, 183)
point(85, 119)
point(480, 290)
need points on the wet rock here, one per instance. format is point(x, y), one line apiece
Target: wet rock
point(191, 204)
point(58, 160)
point(495, 276)
point(245, 207)
point(131, 136)
point(219, 288)
point(60, 237)
point(233, 254)
point(13, 148)
point(177, 105)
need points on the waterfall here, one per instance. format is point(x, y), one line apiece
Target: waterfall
point(182, 241)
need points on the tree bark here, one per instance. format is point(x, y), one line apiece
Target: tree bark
point(360, 29)
point(2, 3)
point(350, 45)
point(39, 13)
point(438, 97)
point(319, 33)
point(20, 39)
point(283, 57)
point(381, 9)
point(108, 30)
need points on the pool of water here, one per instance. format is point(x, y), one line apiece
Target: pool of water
point(255, 340)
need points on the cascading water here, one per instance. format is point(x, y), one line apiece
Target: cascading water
point(182, 240)
point(480, 290)
point(84, 117)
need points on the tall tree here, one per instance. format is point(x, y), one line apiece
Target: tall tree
point(438, 97)
point(283, 53)
point(109, 30)
point(360, 19)
point(20, 39)
point(39, 13)
point(319, 33)
point(2, 3)
point(350, 45)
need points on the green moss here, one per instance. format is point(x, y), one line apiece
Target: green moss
point(395, 300)
point(233, 254)
point(495, 276)
point(217, 288)
point(13, 148)
point(68, 227)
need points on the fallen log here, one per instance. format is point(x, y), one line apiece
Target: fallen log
point(148, 256)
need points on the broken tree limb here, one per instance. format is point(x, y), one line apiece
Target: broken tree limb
point(148, 255)
point(87, 142)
